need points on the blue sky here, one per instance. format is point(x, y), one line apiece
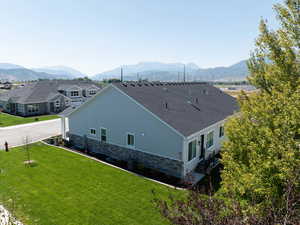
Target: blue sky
point(97, 35)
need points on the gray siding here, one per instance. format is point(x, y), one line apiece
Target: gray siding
point(120, 115)
point(43, 109)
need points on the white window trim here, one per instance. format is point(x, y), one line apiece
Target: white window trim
point(209, 148)
point(130, 146)
point(101, 134)
point(196, 155)
point(222, 125)
point(92, 90)
point(78, 95)
point(90, 133)
point(57, 103)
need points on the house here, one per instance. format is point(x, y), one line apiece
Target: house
point(168, 127)
point(6, 85)
point(46, 97)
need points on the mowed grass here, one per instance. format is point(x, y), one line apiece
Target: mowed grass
point(11, 120)
point(68, 189)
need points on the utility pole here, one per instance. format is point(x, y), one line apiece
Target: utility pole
point(184, 73)
point(121, 74)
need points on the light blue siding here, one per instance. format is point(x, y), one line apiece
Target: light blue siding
point(120, 115)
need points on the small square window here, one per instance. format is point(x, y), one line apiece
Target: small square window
point(130, 139)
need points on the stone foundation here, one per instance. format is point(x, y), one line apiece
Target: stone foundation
point(167, 166)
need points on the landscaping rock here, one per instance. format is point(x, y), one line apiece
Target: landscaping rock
point(6, 218)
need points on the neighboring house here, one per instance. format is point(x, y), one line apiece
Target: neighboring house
point(168, 127)
point(46, 97)
point(6, 85)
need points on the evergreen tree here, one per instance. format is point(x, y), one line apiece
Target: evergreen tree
point(261, 157)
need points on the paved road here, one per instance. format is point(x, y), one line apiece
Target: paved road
point(37, 131)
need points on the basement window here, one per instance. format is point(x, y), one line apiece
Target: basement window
point(130, 140)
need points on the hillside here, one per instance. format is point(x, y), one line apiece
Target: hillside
point(174, 72)
point(23, 74)
point(60, 70)
point(14, 72)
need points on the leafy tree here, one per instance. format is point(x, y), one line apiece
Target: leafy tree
point(261, 158)
point(262, 153)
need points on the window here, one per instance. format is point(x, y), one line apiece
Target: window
point(67, 102)
point(57, 103)
point(103, 134)
point(221, 131)
point(93, 131)
point(130, 139)
point(92, 92)
point(74, 93)
point(33, 108)
point(210, 140)
point(192, 150)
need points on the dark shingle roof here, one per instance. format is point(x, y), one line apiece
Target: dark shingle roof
point(42, 91)
point(187, 107)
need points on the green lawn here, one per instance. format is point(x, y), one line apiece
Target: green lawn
point(68, 189)
point(10, 120)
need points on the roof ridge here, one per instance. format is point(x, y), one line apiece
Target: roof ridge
point(158, 83)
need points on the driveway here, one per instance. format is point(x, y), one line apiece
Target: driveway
point(15, 135)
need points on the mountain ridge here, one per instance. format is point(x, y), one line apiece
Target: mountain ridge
point(174, 72)
point(60, 70)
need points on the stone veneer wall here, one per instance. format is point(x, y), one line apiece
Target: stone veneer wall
point(167, 166)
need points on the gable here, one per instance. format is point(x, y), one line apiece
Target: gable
point(187, 107)
point(121, 115)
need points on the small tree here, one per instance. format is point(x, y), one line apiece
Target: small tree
point(27, 151)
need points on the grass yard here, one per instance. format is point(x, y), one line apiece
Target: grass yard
point(68, 189)
point(11, 120)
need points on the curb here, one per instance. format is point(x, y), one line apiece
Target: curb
point(28, 124)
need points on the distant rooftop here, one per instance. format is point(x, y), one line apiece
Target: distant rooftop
point(42, 91)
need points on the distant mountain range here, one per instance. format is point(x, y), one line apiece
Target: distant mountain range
point(155, 71)
point(14, 72)
point(152, 71)
point(60, 70)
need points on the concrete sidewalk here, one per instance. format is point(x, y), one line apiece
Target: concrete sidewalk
point(15, 135)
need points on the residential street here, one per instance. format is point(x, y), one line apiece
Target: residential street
point(15, 135)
